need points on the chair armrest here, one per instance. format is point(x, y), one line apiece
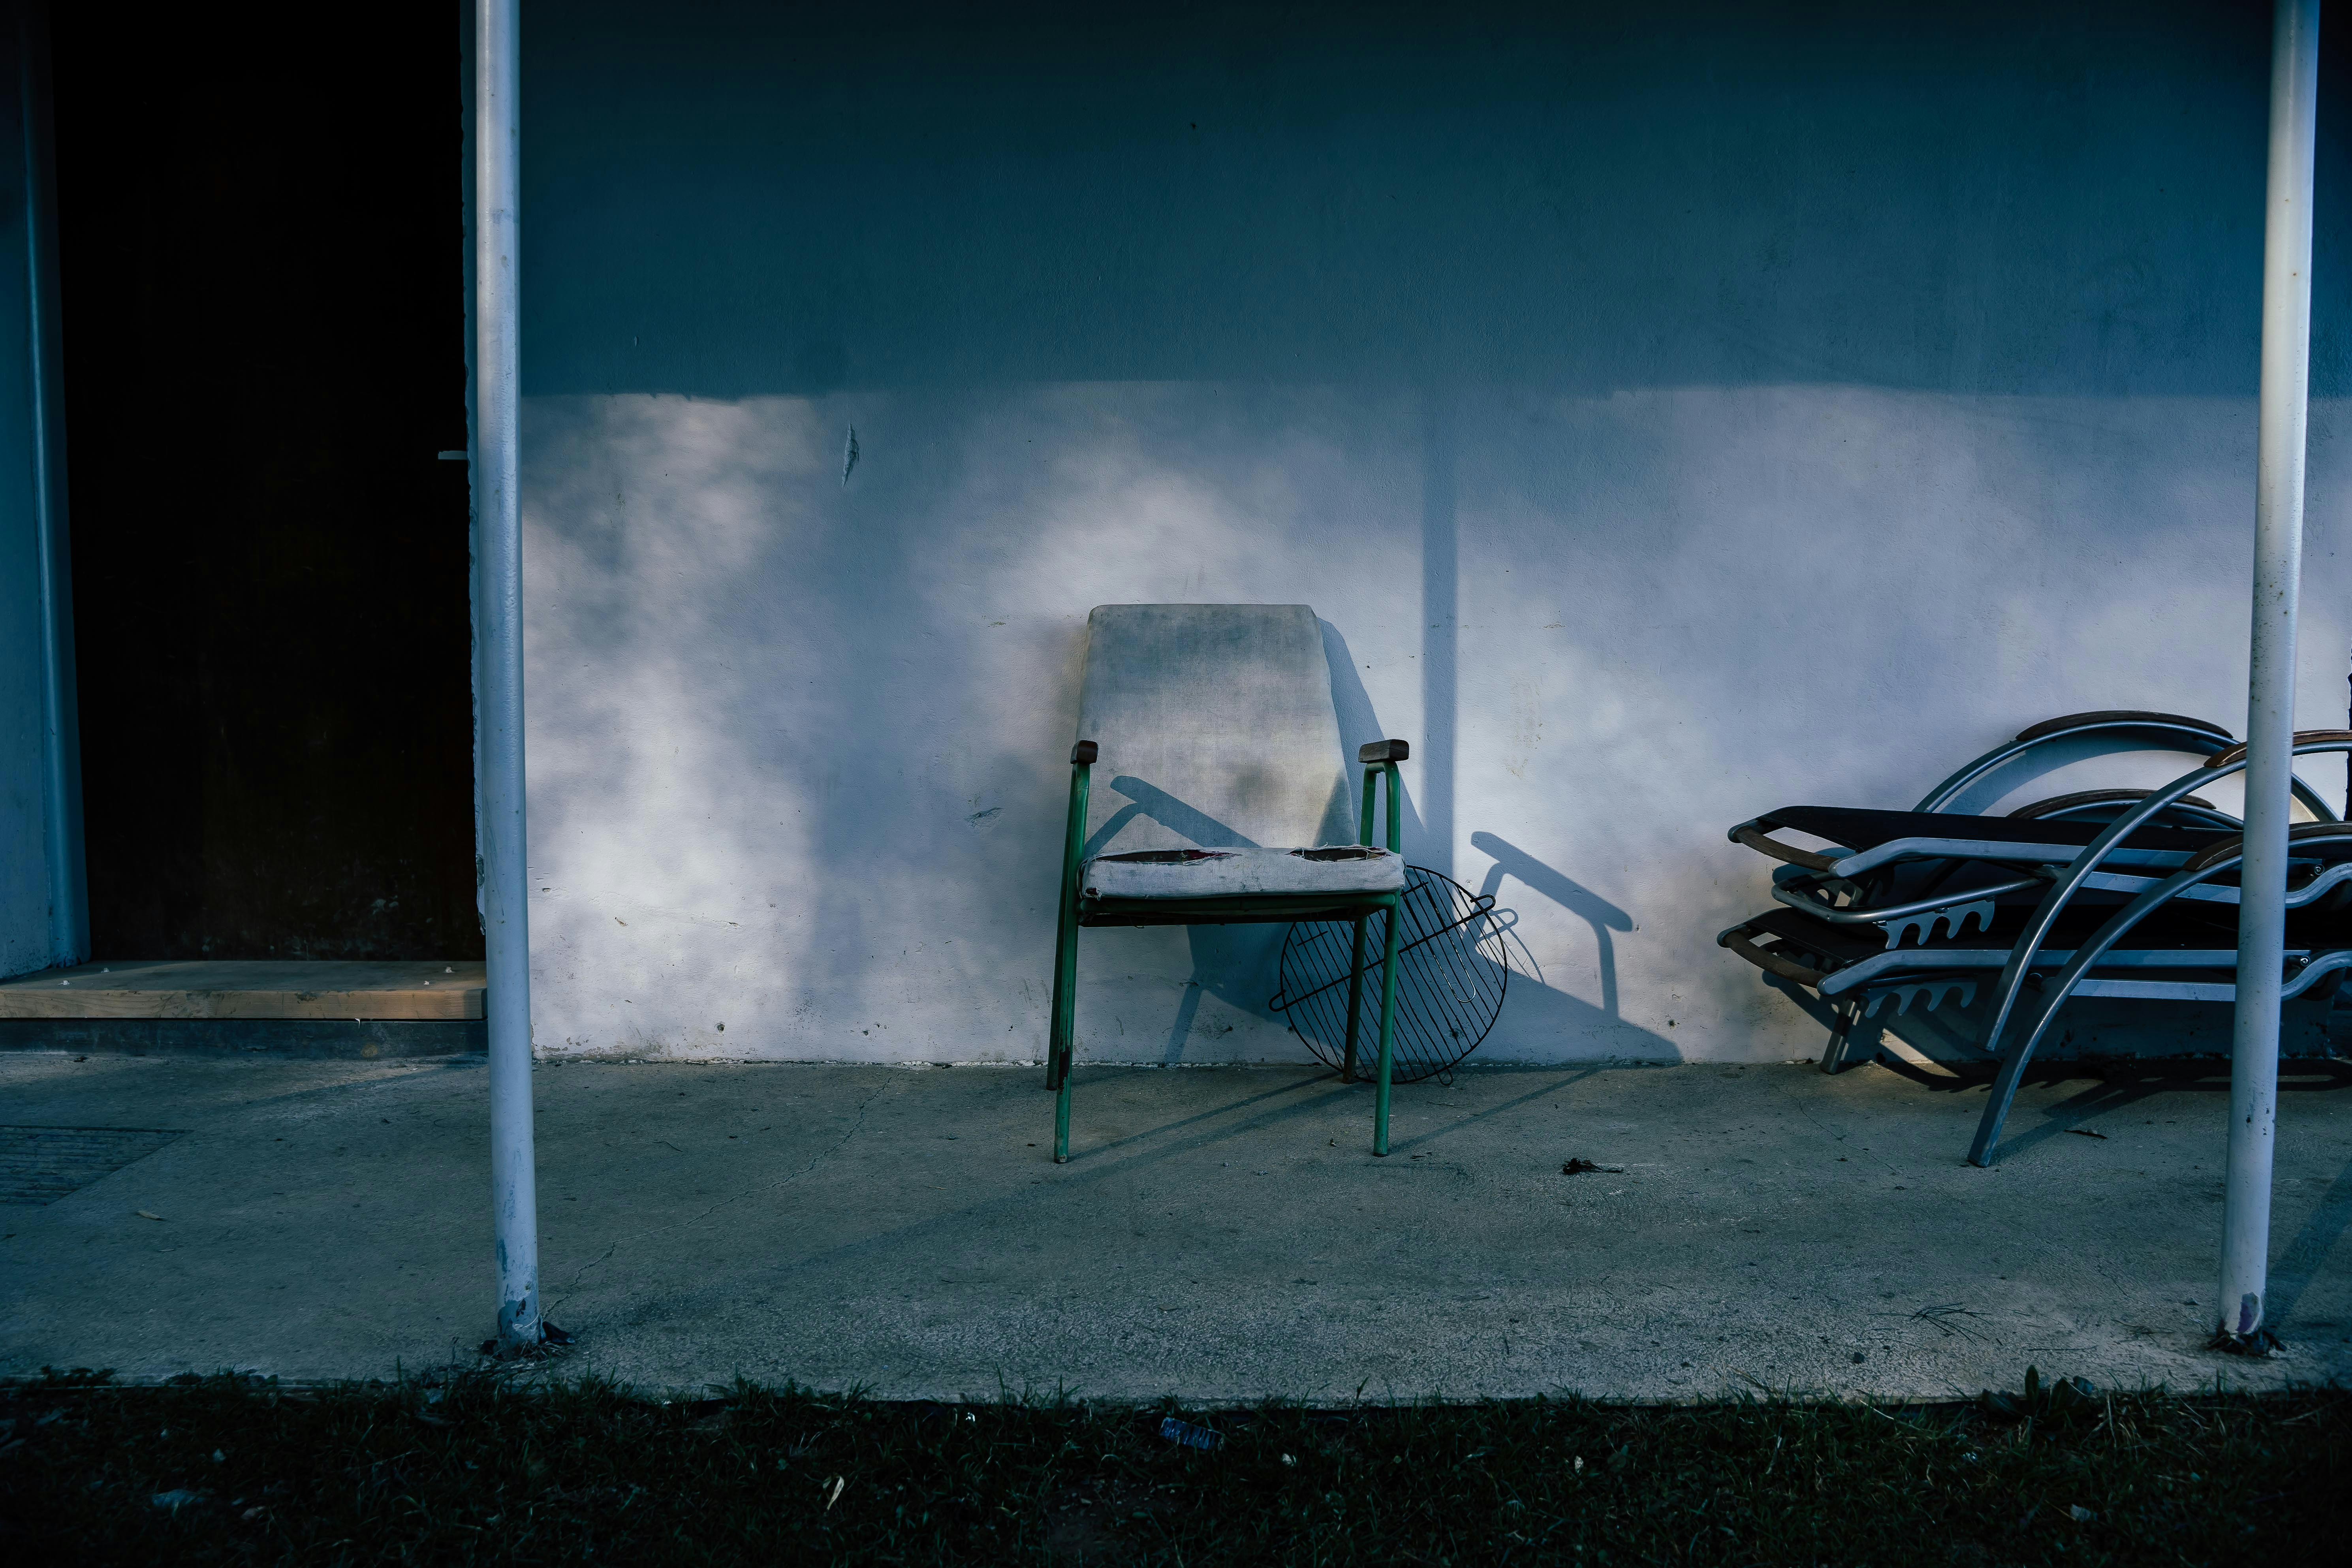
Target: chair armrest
point(1737, 940)
point(1763, 843)
point(1379, 759)
point(2115, 718)
point(1085, 752)
point(2336, 740)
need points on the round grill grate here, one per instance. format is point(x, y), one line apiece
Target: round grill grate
point(1451, 970)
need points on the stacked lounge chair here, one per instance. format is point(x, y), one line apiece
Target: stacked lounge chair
point(2112, 892)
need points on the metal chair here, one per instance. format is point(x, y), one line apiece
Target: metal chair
point(1905, 872)
point(1226, 803)
point(2044, 885)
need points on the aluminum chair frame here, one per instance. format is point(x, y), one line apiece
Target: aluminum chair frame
point(1982, 1150)
point(2155, 878)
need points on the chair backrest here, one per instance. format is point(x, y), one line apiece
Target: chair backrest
point(1216, 727)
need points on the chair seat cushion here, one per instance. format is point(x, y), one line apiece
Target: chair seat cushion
point(1240, 873)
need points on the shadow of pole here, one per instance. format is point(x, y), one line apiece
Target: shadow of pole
point(1439, 597)
point(2301, 1258)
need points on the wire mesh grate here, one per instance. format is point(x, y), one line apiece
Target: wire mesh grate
point(1452, 969)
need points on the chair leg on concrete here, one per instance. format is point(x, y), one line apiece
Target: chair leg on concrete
point(1387, 1028)
point(1062, 1121)
point(1062, 1042)
point(1355, 1005)
point(1840, 1029)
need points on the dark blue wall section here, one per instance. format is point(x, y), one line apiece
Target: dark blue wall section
point(735, 199)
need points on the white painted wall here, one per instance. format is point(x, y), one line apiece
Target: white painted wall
point(1667, 429)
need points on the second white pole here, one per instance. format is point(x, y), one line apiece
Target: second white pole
point(499, 835)
point(2270, 716)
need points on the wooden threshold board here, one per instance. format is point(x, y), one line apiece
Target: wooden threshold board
point(262, 989)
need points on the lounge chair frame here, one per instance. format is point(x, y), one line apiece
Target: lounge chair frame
point(2198, 736)
point(1848, 874)
point(2155, 876)
point(2077, 874)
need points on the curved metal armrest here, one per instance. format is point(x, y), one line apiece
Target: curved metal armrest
point(1798, 894)
point(2112, 718)
point(2229, 849)
point(1756, 838)
point(2196, 736)
point(2318, 740)
point(1736, 939)
point(2212, 862)
point(2061, 805)
point(2071, 880)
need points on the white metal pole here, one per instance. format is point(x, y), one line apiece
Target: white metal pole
point(2270, 716)
point(500, 833)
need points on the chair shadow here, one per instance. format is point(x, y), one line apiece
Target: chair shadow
point(1138, 1152)
point(1397, 1145)
point(1360, 724)
point(2122, 1083)
point(1152, 802)
point(1603, 917)
point(2076, 1113)
point(1310, 1080)
point(1230, 962)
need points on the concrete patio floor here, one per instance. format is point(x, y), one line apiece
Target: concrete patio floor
point(1221, 1234)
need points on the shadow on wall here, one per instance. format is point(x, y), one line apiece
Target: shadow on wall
point(1240, 965)
point(1595, 910)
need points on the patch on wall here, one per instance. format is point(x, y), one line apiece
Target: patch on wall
point(41, 1164)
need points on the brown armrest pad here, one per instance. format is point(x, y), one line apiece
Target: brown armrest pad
point(2058, 803)
point(1085, 752)
point(2338, 739)
point(1737, 940)
point(1384, 751)
point(1756, 838)
point(2121, 716)
point(2233, 847)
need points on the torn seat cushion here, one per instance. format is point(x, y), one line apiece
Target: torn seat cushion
point(1241, 872)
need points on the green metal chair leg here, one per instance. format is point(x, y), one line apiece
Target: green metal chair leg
point(1066, 922)
point(1062, 1121)
point(1053, 1025)
point(1355, 1005)
point(1062, 1045)
point(1388, 1029)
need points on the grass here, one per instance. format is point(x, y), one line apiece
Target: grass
point(482, 1468)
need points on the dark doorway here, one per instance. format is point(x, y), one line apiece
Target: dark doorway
point(260, 217)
